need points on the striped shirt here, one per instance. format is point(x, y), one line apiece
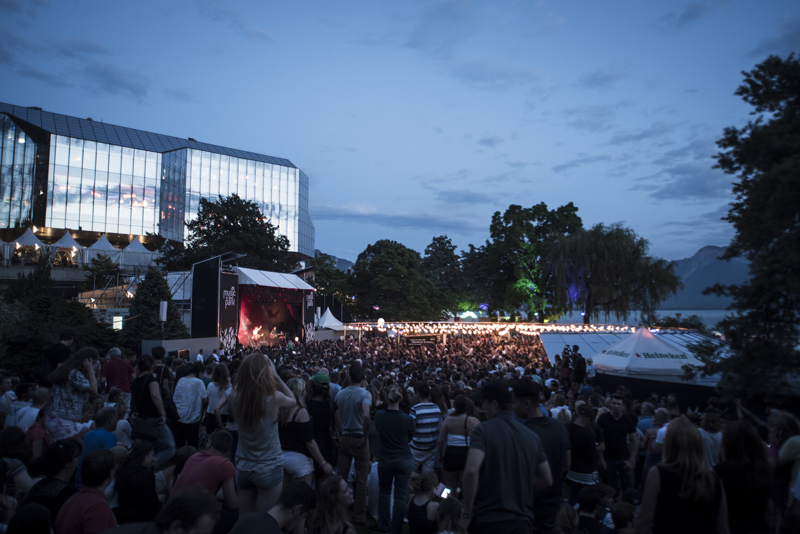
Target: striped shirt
point(428, 419)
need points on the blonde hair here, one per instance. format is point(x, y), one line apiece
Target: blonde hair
point(564, 416)
point(254, 383)
point(684, 453)
point(394, 394)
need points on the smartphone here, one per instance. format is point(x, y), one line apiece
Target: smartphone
point(443, 491)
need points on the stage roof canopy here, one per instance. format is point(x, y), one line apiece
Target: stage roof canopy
point(270, 279)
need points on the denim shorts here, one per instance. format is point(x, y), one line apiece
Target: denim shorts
point(262, 478)
point(297, 465)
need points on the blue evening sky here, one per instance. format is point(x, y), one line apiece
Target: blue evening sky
point(421, 118)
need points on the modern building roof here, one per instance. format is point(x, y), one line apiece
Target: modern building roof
point(102, 132)
point(271, 279)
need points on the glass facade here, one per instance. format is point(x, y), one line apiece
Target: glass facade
point(82, 175)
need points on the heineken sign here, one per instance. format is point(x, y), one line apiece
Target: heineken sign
point(649, 355)
point(617, 353)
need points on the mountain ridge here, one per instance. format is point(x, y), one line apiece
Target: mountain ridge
point(703, 270)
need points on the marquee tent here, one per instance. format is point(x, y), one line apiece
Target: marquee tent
point(647, 356)
point(28, 239)
point(271, 279)
point(329, 321)
point(135, 255)
point(67, 242)
point(103, 246)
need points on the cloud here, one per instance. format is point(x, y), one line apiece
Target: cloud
point(494, 75)
point(656, 130)
point(440, 28)
point(689, 13)
point(6, 57)
point(28, 7)
point(46, 77)
point(491, 141)
point(106, 78)
point(582, 159)
point(589, 118)
point(177, 94)
point(517, 164)
point(705, 229)
point(463, 196)
point(599, 79)
point(372, 216)
point(218, 11)
point(74, 48)
point(782, 42)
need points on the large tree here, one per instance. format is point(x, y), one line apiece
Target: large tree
point(442, 266)
point(606, 271)
point(764, 156)
point(330, 280)
point(231, 224)
point(143, 322)
point(387, 284)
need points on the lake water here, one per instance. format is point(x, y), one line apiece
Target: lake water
point(709, 317)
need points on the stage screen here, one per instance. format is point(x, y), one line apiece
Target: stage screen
point(267, 313)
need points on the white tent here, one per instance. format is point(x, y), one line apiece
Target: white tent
point(645, 355)
point(329, 321)
point(271, 279)
point(135, 255)
point(67, 242)
point(27, 240)
point(103, 246)
point(6, 251)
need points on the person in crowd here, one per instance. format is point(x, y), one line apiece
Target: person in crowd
point(16, 454)
point(162, 372)
point(191, 399)
point(623, 514)
point(588, 501)
point(745, 476)
point(586, 440)
point(505, 466)
point(554, 437)
point(448, 516)
point(354, 409)
point(6, 399)
point(118, 373)
point(27, 415)
point(123, 432)
point(70, 380)
point(622, 444)
point(201, 356)
point(559, 405)
point(568, 519)
point(395, 463)
point(711, 430)
point(322, 411)
point(101, 437)
point(148, 405)
point(586, 390)
point(682, 494)
point(55, 356)
point(255, 402)
point(220, 384)
point(422, 507)
point(653, 451)
point(296, 433)
point(330, 515)
point(57, 466)
point(453, 442)
point(135, 483)
point(30, 519)
point(24, 394)
point(37, 437)
point(193, 512)
point(428, 421)
point(87, 511)
point(288, 515)
point(212, 470)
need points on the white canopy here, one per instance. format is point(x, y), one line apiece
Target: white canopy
point(271, 279)
point(645, 355)
point(67, 242)
point(136, 246)
point(27, 240)
point(329, 321)
point(135, 255)
point(103, 246)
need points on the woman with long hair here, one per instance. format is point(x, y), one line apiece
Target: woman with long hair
point(254, 404)
point(455, 432)
point(71, 380)
point(682, 494)
point(220, 384)
point(330, 516)
point(57, 465)
point(745, 475)
point(395, 461)
point(296, 433)
point(322, 411)
point(135, 483)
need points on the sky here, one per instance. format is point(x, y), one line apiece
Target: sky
point(416, 119)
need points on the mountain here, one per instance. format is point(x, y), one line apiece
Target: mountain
point(341, 264)
point(704, 270)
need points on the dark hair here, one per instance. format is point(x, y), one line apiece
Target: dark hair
point(221, 440)
point(187, 507)
point(133, 463)
point(221, 377)
point(356, 374)
point(57, 456)
point(588, 499)
point(742, 445)
point(622, 513)
point(145, 362)
point(105, 416)
point(158, 353)
point(464, 405)
point(26, 388)
point(618, 397)
point(181, 457)
point(423, 390)
point(298, 493)
point(67, 334)
point(31, 518)
point(60, 374)
point(97, 467)
point(13, 444)
point(198, 368)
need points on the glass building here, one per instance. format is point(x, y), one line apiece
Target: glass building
point(62, 172)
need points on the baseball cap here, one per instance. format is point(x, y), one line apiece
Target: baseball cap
point(321, 379)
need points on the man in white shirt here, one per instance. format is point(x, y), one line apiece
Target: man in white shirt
point(191, 399)
point(26, 416)
point(591, 370)
point(24, 394)
point(200, 357)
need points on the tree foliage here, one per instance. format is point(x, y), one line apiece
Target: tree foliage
point(331, 280)
point(143, 320)
point(387, 276)
point(442, 267)
point(100, 271)
point(606, 271)
point(231, 224)
point(764, 156)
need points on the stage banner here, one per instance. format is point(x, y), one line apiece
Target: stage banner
point(228, 309)
point(422, 340)
point(268, 313)
point(309, 316)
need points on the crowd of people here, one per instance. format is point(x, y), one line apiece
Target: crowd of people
point(480, 434)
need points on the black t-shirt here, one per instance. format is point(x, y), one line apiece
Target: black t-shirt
point(51, 493)
point(616, 433)
point(258, 523)
point(584, 449)
point(143, 402)
point(747, 503)
point(555, 440)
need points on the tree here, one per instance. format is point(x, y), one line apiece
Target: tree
point(764, 156)
point(100, 271)
point(606, 270)
point(143, 322)
point(35, 283)
point(442, 267)
point(387, 284)
point(330, 280)
point(232, 225)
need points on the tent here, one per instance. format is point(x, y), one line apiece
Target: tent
point(329, 321)
point(645, 355)
point(271, 279)
point(27, 240)
point(5, 250)
point(135, 255)
point(103, 246)
point(67, 242)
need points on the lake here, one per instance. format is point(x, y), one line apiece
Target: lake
point(709, 317)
